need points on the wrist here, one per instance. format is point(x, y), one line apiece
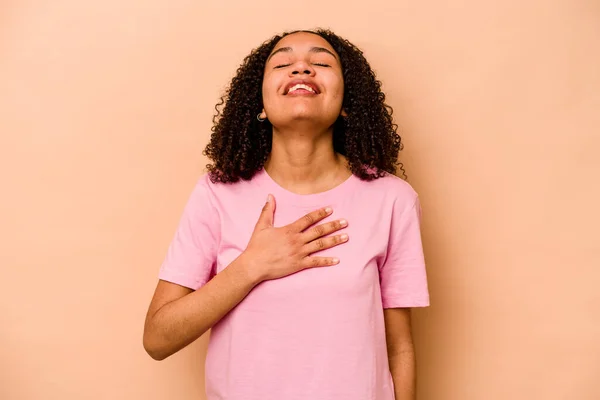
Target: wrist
point(246, 268)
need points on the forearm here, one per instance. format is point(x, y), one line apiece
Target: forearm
point(403, 368)
point(178, 323)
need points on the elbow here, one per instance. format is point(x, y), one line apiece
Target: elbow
point(155, 354)
point(153, 348)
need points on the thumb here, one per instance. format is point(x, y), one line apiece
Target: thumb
point(266, 216)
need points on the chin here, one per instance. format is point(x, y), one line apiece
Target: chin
point(302, 122)
point(302, 118)
point(300, 113)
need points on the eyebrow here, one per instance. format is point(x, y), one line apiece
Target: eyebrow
point(312, 50)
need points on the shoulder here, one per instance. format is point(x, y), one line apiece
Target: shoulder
point(218, 191)
point(204, 188)
point(393, 189)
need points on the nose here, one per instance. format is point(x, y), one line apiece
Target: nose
point(302, 67)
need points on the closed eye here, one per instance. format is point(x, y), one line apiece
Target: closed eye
point(287, 65)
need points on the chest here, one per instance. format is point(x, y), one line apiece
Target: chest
point(360, 257)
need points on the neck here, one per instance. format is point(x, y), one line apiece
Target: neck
point(305, 162)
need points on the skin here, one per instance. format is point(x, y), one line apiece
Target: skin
point(303, 161)
point(302, 158)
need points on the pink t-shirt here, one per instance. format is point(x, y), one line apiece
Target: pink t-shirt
point(318, 334)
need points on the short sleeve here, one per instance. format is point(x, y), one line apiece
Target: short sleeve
point(402, 275)
point(191, 257)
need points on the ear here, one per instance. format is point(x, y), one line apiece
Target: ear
point(263, 114)
point(343, 113)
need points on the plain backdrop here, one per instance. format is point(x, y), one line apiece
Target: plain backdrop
point(105, 108)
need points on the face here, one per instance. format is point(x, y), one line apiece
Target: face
point(303, 82)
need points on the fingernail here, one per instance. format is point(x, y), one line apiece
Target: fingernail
point(344, 237)
point(343, 222)
point(268, 198)
point(328, 210)
point(335, 260)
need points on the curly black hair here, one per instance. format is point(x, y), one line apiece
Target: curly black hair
point(240, 145)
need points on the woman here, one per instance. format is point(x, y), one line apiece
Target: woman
point(303, 296)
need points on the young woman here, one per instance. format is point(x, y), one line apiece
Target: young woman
point(308, 299)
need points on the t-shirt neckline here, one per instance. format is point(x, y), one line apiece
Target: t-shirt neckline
point(321, 199)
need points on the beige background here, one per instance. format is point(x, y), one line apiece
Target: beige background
point(104, 110)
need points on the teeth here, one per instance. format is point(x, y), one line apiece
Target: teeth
point(301, 86)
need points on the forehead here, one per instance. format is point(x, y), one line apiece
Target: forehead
point(303, 41)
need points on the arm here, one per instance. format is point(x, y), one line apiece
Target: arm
point(177, 315)
point(401, 353)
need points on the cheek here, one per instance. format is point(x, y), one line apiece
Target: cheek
point(269, 90)
point(337, 85)
point(339, 94)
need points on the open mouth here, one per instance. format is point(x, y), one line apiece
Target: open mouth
point(301, 88)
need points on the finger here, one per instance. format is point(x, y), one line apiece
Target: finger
point(265, 220)
point(310, 219)
point(325, 243)
point(317, 262)
point(323, 229)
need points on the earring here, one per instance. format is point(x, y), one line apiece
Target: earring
point(259, 118)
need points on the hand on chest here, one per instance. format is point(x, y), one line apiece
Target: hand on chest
point(359, 257)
